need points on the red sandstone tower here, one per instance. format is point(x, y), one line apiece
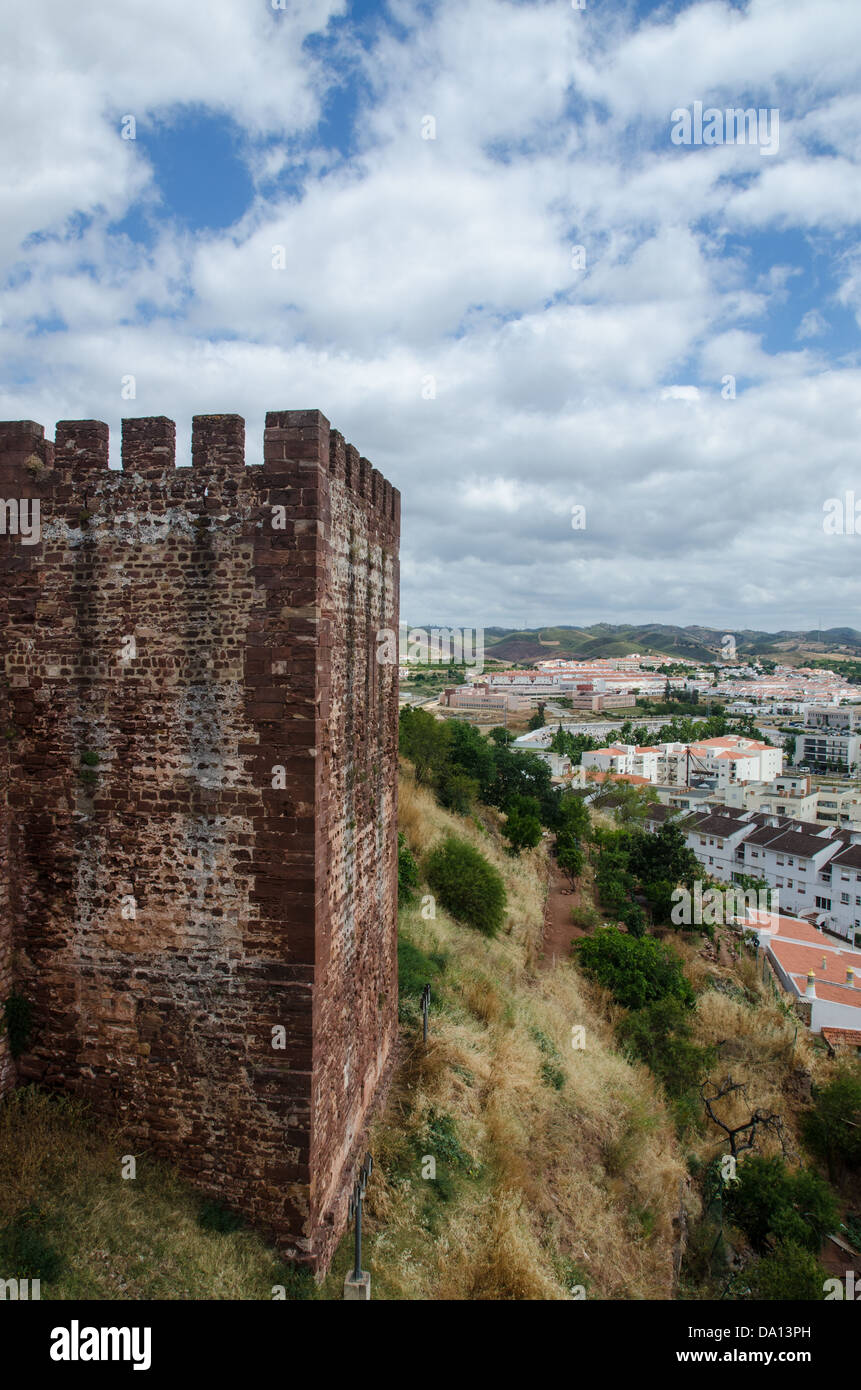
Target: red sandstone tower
point(198, 797)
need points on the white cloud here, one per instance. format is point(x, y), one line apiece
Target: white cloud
point(452, 258)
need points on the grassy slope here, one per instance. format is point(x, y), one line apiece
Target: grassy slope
point(71, 1218)
point(537, 1188)
point(555, 1166)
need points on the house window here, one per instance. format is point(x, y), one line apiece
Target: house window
point(824, 903)
point(844, 898)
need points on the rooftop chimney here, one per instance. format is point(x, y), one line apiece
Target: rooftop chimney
point(810, 992)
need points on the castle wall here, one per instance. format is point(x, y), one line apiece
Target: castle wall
point(200, 842)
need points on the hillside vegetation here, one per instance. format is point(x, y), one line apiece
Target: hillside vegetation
point(692, 643)
point(546, 1143)
point(556, 1166)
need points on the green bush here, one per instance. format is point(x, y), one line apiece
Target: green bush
point(659, 1035)
point(467, 885)
point(585, 917)
point(832, 1128)
point(456, 791)
point(522, 827)
point(637, 971)
point(416, 969)
point(770, 1201)
point(408, 872)
point(789, 1273)
point(569, 855)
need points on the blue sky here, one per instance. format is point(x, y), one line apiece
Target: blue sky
point(448, 260)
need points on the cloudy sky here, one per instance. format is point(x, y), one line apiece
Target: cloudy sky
point(374, 209)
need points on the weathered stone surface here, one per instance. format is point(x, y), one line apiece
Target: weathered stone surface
point(198, 798)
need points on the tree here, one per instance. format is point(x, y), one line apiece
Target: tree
point(574, 816)
point(832, 1128)
point(741, 1137)
point(771, 1202)
point(537, 719)
point(424, 740)
point(665, 857)
point(523, 774)
point(522, 826)
point(569, 856)
point(471, 754)
point(499, 735)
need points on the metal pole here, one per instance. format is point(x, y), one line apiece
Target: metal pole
point(357, 1272)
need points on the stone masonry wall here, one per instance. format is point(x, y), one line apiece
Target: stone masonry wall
point(198, 776)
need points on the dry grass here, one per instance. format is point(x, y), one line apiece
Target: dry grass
point(575, 1172)
point(760, 1045)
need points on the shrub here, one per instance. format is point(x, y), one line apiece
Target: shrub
point(569, 855)
point(457, 792)
point(408, 872)
point(659, 1035)
point(635, 919)
point(832, 1128)
point(789, 1273)
point(771, 1201)
point(637, 971)
point(585, 917)
point(467, 886)
point(415, 969)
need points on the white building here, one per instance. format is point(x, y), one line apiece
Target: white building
point(728, 760)
point(828, 750)
point(814, 971)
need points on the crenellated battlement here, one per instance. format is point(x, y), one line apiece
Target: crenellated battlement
point(293, 441)
point(198, 796)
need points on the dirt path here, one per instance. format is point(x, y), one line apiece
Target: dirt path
point(559, 930)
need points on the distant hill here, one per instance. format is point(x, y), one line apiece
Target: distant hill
point(692, 643)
